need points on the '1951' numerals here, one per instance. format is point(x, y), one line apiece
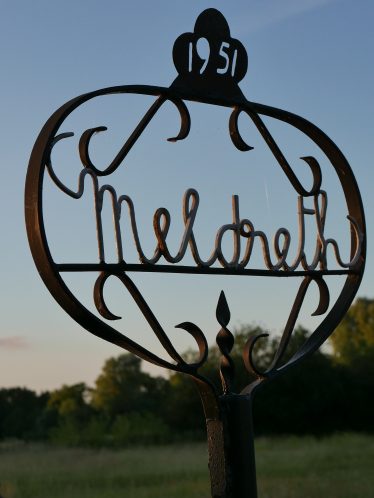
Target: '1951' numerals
point(203, 51)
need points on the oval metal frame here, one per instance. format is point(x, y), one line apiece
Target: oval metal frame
point(50, 271)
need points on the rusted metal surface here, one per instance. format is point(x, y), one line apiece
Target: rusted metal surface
point(210, 64)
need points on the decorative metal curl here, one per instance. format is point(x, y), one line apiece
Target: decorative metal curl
point(248, 355)
point(248, 352)
point(86, 136)
point(282, 161)
point(164, 340)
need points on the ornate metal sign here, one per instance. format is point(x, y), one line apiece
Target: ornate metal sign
point(210, 64)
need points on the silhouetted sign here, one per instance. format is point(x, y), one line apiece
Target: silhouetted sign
point(210, 64)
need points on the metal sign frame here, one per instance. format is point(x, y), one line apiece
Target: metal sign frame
point(210, 64)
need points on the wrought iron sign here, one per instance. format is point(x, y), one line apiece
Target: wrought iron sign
point(210, 64)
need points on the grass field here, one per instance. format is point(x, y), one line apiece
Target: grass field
point(337, 467)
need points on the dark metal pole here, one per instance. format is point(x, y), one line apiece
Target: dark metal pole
point(231, 449)
point(237, 417)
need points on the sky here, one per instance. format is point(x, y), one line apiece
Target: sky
point(311, 57)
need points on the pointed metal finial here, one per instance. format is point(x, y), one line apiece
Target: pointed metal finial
point(225, 341)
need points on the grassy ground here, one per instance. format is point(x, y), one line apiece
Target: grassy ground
point(336, 467)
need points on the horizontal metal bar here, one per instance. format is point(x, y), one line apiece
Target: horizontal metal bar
point(196, 270)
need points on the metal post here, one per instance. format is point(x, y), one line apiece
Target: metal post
point(239, 445)
point(231, 449)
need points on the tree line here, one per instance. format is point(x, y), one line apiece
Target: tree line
point(328, 392)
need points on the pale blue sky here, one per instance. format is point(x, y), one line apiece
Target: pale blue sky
point(312, 57)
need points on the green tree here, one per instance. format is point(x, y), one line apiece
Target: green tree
point(69, 414)
point(183, 411)
point(353, 345)
point(70, 403)
point(353, 340)
point(122, 388)
point(21, 410)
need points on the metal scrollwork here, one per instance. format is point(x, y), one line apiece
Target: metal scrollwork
point(276, 260)
point(248, 353)
point(282, 161)
point(245, 235)
point(189, 327)
point(86, 136)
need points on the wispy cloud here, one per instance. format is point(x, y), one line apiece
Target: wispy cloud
point(13, 342)
point(269, 12)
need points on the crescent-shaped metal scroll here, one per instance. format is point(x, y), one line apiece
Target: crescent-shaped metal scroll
point(282, 161)
point(85, 139)
point(271, 370)
point(189, 327)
